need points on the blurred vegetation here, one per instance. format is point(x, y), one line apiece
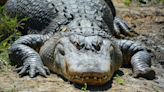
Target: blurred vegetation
point(8, 33)
point(2, 2)
point(84, 88)
point(119, 80)
point(139, 2)
point(127, 2)
point(162, 1)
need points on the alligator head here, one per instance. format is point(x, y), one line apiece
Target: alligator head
point(84, 59)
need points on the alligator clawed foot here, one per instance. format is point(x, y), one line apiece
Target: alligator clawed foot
point(147, 73)
point(32, 70)
point(121, 29)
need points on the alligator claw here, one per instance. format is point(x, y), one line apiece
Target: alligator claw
point(122, 29)
point(42, 72)
point(18, 69)
point(47, 70)
point(23, 70)
point(32, 70)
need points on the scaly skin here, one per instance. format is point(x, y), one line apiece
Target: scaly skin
point(76, 41)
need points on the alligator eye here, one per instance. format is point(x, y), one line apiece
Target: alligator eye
point(82, 45)
point(97, 46)
point(77, 45)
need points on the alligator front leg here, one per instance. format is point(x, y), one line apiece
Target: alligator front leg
point(121, 27)
point(138, 56)
point(23, 54)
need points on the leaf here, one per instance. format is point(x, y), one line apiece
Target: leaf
point(119, 80)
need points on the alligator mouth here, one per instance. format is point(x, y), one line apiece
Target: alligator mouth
point(89, 78)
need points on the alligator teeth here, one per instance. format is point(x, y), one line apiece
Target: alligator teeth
point(105, 77)
point(86, 78)
point(100, 79)
point(77, 77)
point(82, 79)
point(95, 78)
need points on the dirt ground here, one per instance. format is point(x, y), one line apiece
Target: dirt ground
point(147, 21)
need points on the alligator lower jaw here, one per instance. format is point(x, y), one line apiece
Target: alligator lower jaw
point(90, 80)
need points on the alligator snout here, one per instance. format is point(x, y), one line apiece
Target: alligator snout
point(89, 70)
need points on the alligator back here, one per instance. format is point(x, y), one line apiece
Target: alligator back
point(50, 15)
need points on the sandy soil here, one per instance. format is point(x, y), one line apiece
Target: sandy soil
point(147, 21)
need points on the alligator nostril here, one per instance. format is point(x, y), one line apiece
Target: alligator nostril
point(77, 45)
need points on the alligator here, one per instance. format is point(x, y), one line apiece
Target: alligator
point(76, 39)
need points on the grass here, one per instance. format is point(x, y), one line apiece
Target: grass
point(119, 80)
point(162, 1)
point(84, 88)
point(8, 33)
point(128, 2)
